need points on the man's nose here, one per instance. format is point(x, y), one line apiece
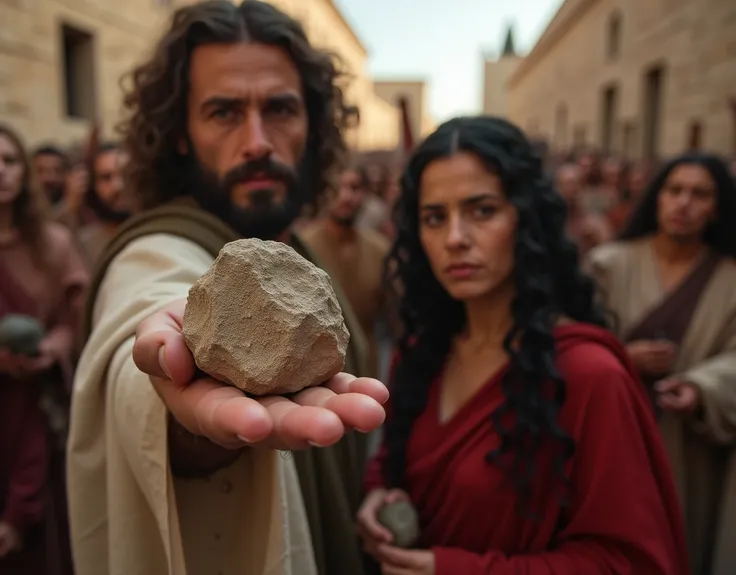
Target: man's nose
point(254, 143)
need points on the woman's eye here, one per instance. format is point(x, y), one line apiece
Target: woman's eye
point(485, 211)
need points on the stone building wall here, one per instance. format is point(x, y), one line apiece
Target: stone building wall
point(103, 38)
point(415, 91)
point(496, 74)
point(639, 78)
point(106, 38)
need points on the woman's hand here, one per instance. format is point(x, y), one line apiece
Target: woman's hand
point(370, 530)
point(22, 366)
point(317, 416)
point(395, 561)
point(10, 539)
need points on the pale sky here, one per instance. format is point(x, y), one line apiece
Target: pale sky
point(443, 41)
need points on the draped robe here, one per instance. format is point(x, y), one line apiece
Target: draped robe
point(623, 516)
point(33, 412)
point(266, 514)
point(700, 314)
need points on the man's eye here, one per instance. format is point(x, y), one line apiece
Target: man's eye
point(281, 109)
point(222, 113)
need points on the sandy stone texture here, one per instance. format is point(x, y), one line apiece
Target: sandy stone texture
point(265, 320)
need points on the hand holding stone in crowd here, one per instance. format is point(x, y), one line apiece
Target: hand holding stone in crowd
point(224, 414)
point(10, 539)
point(677, 395)
point(652, 357)
point(19, 366)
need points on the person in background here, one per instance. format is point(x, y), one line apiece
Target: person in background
point(670, 281)
point(50, 166)
point(106, 199)
point(636, 179)
point(353, 256)
point(42, 277)
point(375, 213)
point(586, 229)
point(517, 425)
point(232, 125)
point(64, 178)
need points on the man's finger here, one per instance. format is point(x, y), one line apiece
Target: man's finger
point(346, 383)
point(358, 411)
point(183, 402)
point(297, 426)
point(159, 348)
point(230, 419)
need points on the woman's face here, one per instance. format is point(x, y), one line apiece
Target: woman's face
point(687, 203)
point(11, 171)
point(467, 227)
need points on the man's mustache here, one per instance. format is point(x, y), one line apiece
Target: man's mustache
point(265, 168)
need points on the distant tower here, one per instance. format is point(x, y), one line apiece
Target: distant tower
point(496, 73)
point(508, 44)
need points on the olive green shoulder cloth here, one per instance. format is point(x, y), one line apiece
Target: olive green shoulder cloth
point(185, 219)
point(177, 218)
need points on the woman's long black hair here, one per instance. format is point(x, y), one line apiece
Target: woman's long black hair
point(720, 234)
point(549, 285)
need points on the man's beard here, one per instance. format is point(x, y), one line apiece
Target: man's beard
point(104, 212)
point(265, 218)
point(345, 221)
point(54, 193)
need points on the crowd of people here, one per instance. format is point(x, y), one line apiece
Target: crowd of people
point(557, 336)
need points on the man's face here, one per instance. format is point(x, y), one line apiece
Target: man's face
point(570, 182)
point(50, 173)
point(108, 178)
point(349, 199)
point(111, 203)
point(247, 129)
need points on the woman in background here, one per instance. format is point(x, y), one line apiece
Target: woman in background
point(43, 277)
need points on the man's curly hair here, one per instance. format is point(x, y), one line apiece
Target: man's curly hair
point(156, 98)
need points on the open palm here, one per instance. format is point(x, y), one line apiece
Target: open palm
point(316, 416)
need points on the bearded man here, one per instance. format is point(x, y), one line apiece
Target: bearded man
point(353, 256)
point(106, 200)
point(233, 125)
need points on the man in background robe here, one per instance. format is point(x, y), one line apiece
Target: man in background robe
point(670, 283)
point(106, 199)
point(353, 256)
point(163, 474)
point(586, 229)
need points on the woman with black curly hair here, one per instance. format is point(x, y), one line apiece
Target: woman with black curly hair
point(518, 427)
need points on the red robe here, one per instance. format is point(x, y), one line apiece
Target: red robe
point(624, 517)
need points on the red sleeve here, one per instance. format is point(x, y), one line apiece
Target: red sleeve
point(624, 517)
point(24, 503)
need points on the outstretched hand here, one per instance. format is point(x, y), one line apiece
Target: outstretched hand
point(316, 416)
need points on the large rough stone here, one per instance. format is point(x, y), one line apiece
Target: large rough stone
point(265, 320)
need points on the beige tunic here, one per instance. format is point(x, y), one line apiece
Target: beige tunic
point(701, 449)
point(356, 265)
point(128, 514)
